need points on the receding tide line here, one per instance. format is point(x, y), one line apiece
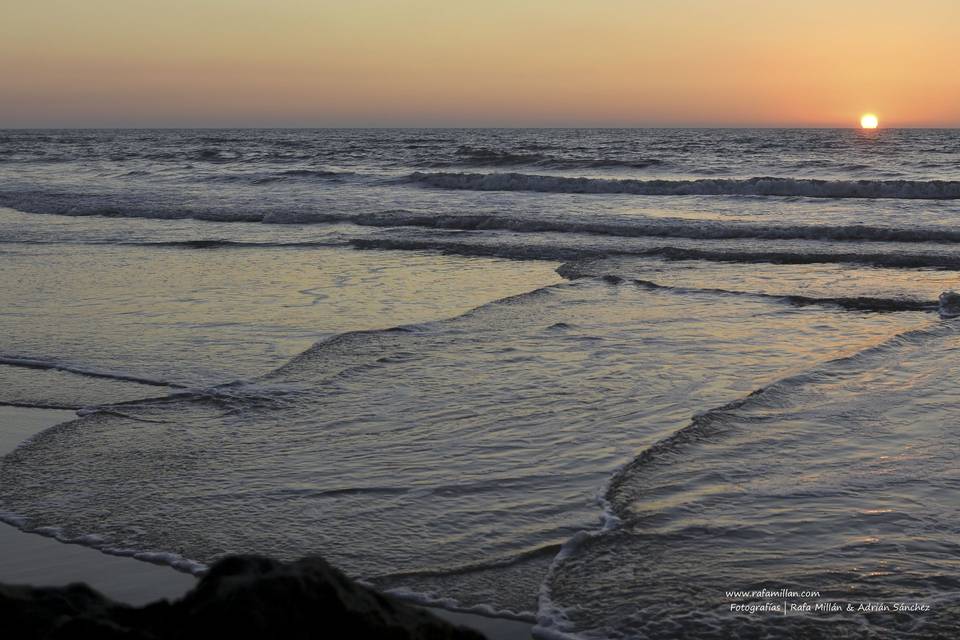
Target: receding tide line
point(33, 363)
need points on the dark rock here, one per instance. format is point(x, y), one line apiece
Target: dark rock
point(29, 612)
point(240, 597)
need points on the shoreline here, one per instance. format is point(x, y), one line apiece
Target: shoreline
point(38, 560)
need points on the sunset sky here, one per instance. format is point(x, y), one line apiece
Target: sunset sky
point(497, 62)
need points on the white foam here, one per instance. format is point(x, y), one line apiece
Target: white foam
point(450, 604)
point(101, 544)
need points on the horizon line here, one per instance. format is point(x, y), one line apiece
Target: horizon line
point(380, 126)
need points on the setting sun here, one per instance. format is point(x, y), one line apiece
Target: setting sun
point(869, 121)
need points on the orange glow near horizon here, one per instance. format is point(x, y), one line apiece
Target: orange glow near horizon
point(517, 62)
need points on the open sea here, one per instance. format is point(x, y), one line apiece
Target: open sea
point(593, 379)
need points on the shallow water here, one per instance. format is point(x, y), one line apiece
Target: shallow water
point(427, 448)
point(110, 322)
point(840, 480)
point(592, 379)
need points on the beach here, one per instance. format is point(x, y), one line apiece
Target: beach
point(559, 320)
point(578, 383)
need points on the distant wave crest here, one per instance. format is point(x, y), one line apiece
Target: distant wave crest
point(486, 157)
point(291, 175)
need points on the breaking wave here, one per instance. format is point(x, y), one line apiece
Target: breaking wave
point(851, 303)
point(640, 227)
point(760, 256)
point(80, 204)
point(636, 228)
point(759, 186)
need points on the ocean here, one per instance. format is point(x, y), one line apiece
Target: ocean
point(613, 382)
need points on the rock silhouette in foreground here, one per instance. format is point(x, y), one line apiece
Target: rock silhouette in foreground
point(240, 597)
